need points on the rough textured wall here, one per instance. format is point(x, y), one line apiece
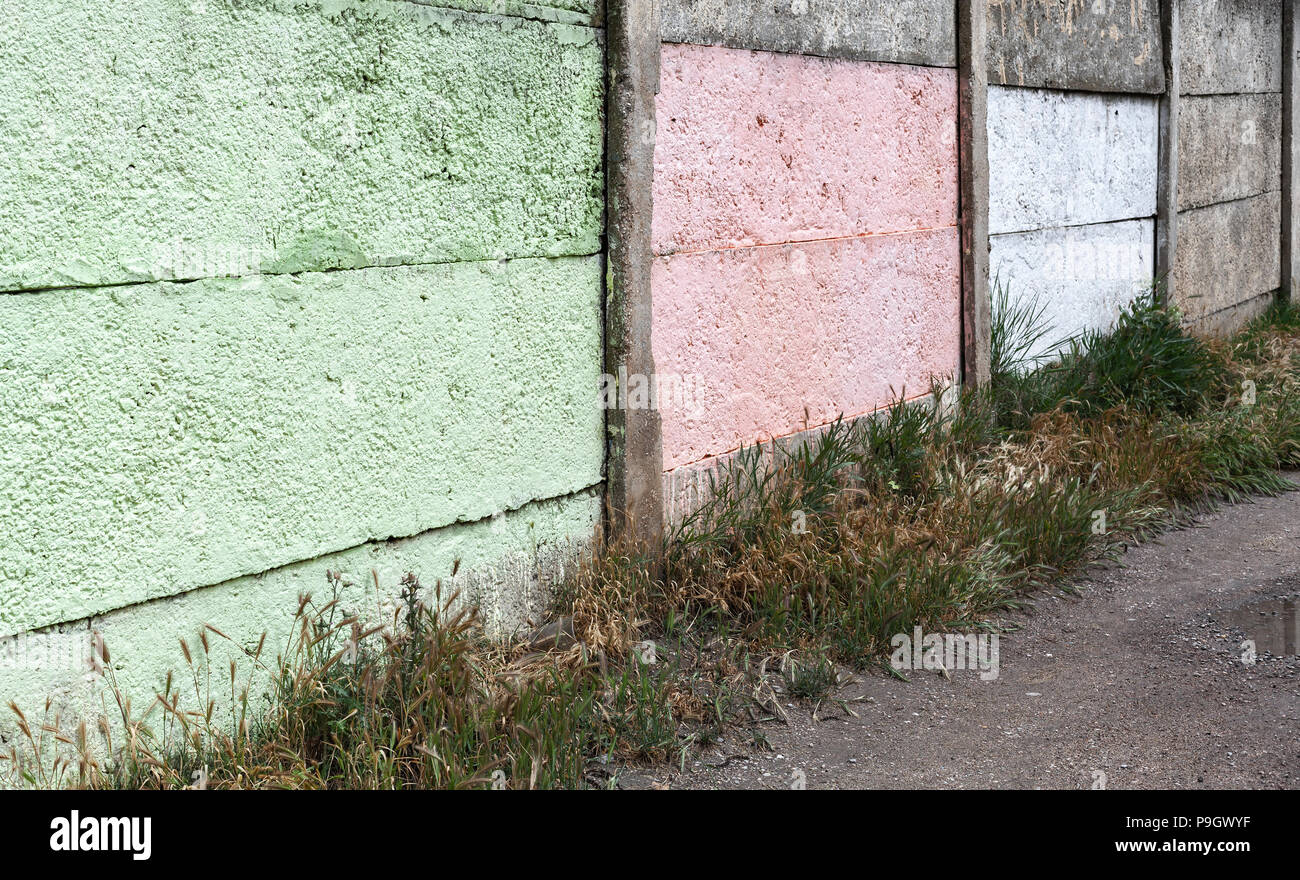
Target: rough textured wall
point(147, 141)
point(1072, 199)
point(508, 564)
point(1229, 161)
point(165, 437)
point(1073, 140)
point(805, 227)
point(1086, 45)
point(192, 402)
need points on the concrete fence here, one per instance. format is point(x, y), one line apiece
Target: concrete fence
point(1227, 103)
point(806, 249)
point(297, 286)
point(290, 287)
point(1073, 127)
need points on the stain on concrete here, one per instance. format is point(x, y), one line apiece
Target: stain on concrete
point(1090, 45)
point(902, 31)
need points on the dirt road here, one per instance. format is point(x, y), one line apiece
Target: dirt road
point(1139, 682)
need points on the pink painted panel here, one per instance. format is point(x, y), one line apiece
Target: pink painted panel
point(763, 148)
point(758, 335)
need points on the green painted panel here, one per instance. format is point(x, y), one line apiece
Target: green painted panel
point(182, 139)
point(506, 564)
point(165, 436)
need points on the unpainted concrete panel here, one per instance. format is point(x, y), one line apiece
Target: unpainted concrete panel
point(902, 31)
point(1229, 147)
point(1093, 45)
point(1227, 254)
point(1230, 46)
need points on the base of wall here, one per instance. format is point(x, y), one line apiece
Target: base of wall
point(687, 487)
point(509, 566)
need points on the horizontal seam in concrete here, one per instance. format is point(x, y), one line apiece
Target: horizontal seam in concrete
point(19, 291)
point(1227, 94)
point(746, 247)
point(816, 55)
point(1073, 225)
point(562, 16)
point(1245, 302)
point(257, 574)
point(1228, 201)
point(803, 430)
point(1155, 96)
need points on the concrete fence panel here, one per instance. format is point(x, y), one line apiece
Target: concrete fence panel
point(805, 229)
point(1228, 260)
point(290, 287)
point(1072, 199)
point(1073, 141)
point(297, 286)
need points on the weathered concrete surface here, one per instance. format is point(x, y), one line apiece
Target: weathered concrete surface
point(1230, 46)
point(1229, 320)
point(973, 173)
point(1229, 147)
point(903, 31)
point(1227, 253)
point(586, 12)
point(1080, 275)
point(1062, 159)
point(792, 336)
point(1167, 159)
point(634, 453)
point(1229, 163)
point(1290, 152)
point(762, 148)
point(163, 437)
point(507, 565)
point(169, 139)
point(1093, 45)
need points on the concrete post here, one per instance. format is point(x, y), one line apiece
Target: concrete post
point(1167, 162)
point(1290, 155)
point(634, 454)
point(973, 166)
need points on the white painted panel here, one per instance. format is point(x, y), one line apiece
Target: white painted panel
point(1083, 275)
point(1069, 158)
